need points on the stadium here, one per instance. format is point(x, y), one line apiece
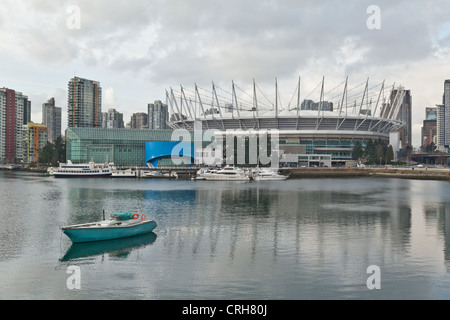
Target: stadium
point(316, 128)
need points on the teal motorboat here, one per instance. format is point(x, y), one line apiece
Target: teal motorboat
point(120, 225)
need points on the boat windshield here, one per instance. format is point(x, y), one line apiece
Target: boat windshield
point(121, 216)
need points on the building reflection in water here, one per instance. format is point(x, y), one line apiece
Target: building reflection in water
point(267, 220)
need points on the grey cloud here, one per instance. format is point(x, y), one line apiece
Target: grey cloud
point(229, 39)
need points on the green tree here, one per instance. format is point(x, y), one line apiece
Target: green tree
point(358, 151)
point(379, 154)
point(369, 152)
point(409, 150)
point(389, 154)
point(53, 153)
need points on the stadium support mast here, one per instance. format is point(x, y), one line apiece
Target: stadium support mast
point(276, 98)
point(217, 99)
point(298, 102)
point(378, 100)
point(235, 100)
point(344, 95)
point(364, 95)
point(321, 98)
point(298, 97)
point(183, 95)
point(200, 101)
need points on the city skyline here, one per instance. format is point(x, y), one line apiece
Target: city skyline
point(137, 50)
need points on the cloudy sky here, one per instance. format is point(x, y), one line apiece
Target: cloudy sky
point(137, 49)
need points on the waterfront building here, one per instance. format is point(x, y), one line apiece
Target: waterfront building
point(36, 137)
point(51, 117)
point(443, 119)
point(429, 128)
point(84, 103)
point(139, 120)
point(112, 119)
point(158, 116)
point(124, 147)
point(440, 126)
point(15, 110)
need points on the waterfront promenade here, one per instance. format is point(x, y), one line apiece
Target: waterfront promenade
point(403, 173)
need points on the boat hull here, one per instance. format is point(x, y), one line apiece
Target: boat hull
point(92, 234)
point(104, 175)
point(230, 178)
point(274, 178)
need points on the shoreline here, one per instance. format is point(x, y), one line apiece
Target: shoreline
point(309, 173)
point(407, 173)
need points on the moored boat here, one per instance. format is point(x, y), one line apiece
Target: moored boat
point(90, 170)
point(203, 173)
point(266, 174)
point(124, 173)
point(160, 175)
point(228, 174)
point(120, 225)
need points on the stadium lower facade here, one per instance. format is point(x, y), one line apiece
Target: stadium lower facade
point(311, 133)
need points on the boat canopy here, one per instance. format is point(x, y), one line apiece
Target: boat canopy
point(122, 216)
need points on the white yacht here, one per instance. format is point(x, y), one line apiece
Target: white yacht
point(159, 175)
point(267, 174)
point(124, 173)
point(228, 174)
point(90, 170)
point(203, 173)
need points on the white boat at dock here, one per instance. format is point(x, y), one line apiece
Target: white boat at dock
point(160, 175)
point(203, 173)
point(124, 173)
point(228, 174)
point(268, 174)
point(90, 170)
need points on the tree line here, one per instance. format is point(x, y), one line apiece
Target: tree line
point(374, 152)
point(53, 153)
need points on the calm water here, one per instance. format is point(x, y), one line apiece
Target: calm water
point(297, 239)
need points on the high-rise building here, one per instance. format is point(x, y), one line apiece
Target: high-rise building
point(311, 105)
point(139, 120)
point(36, 137)
point(158, 116)
point(51, 117)
point(404, 114)
point(429, 129)
point(112, 119)
point(440, 117)
point(84, 104)
point(443, 119)
point(447, 113)
point(15, 109)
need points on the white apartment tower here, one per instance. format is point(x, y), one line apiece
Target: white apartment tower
point(443, 119)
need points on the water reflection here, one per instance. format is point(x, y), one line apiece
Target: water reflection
point(299, 239)
point(442, 214)
point(116, 249)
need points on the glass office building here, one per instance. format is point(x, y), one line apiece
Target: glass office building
point(124, 147)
